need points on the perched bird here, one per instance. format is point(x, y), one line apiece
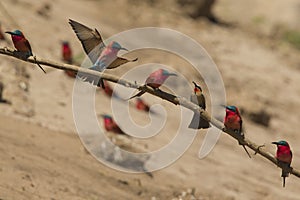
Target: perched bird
point(103, 57)
point(67, 52)
point(2, 37)
point(107, 89)
point(284, 155)
point(155, 80)
point(22, 45)
point(110, 125)
point(141, 105)
point(67, 57)
point(198, 98)
point(233, 121)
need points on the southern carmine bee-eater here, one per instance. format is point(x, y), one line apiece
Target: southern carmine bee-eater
point(108, 90)
point(67, 57)
point(22, 45)
point(141, 105)
point(233, 121)
point(66, 52)
point(155, 80)
point(110, 125)
point(284, 155)
point(198, 98)
point(103, 57)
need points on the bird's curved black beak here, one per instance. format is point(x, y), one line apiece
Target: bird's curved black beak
point(197, 86)
point(102, 115)
point(172, 74)
point(275, 143)
point(8, 32)
point(122, 48)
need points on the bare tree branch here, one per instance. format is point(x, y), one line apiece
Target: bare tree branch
point(161, 94)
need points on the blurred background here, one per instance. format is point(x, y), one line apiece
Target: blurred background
point(255, 45)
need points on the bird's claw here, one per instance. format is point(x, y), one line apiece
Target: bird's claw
point(258, 148)
point(7, 49)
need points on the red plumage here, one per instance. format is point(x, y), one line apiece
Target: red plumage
point(67, 57)
point(107, 89)
point(284, 156)
point(67, 53)
point(111, 125)
point(233, 120)
point(155, 80)
point(141, 105)
point(21, 44)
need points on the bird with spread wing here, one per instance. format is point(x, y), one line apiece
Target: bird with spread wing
point(102, 56)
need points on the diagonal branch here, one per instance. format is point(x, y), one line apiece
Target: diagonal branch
point(161, 94)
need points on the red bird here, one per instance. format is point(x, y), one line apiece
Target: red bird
point(22, 45)
point(155, 80)
point(67, 57)
point(141, 105)
point(107, 89)
point(284, 155)
point(110, 125)
point(233, 121)
point(67, 52)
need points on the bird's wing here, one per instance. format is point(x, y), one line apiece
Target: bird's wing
point(203, 101)
point(241, 125)
point(90, 39)
point(151, 79)
point(120, 61)
point(27, 44)
point(198, 100)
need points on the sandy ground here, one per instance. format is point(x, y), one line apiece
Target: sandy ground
point(42, 156)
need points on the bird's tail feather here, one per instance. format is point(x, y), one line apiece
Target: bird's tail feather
point(198, 122)
point(137, 95)
point(94, 80)
point(284, 171)
point(39, 64)
point(246, 151)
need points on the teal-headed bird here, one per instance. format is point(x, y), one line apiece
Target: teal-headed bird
point(284, 155)
point(22, 45)
point(233, 121)
point(102, 56)
point(155, 80)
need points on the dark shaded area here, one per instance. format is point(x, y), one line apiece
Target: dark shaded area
point(260, 117)
point(199, 8)
point(2, 100)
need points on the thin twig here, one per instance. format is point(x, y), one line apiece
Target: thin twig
point(161, 94)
